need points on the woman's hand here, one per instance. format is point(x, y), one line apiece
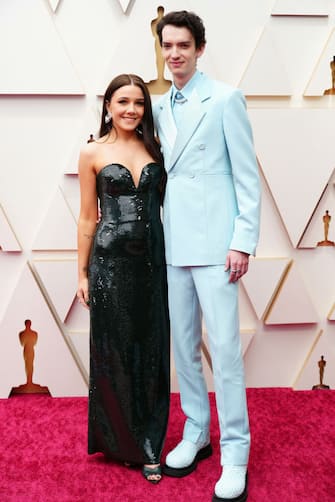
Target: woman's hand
point(82, 293)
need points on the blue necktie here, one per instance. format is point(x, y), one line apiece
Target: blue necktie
point(177, 111)
point(179, 98)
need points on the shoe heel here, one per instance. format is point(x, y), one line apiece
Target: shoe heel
point(205, 452)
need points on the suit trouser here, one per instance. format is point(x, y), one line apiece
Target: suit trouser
point(206, 289)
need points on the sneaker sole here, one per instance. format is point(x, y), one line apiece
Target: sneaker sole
point(185, 471)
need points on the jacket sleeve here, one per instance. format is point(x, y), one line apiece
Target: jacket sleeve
point(239, 140)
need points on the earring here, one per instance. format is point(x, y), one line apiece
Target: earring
point(108, 117)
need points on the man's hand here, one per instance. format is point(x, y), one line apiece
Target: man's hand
point(237, 263)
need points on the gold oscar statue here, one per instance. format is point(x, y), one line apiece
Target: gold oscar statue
point(28, 340)
point(326, 222)
point(160, 85)
point(332, 69)
point(322, 363)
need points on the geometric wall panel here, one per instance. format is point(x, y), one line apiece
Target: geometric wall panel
point(32, 66)
point(275, 358)
point(78, 319)
point(292, 305)
point(246, 339)
point(248, 318)
point(8, 240)
point(81, 346)
point(54, 365)
point(306, 360)
point(300, 8)
point(331, 315)
point(321, 77)
point(58, 278)
point(58, 230)
point(90, 125)
point(292, 38)
point(124, 4)
point(54, 4)
point(71, 192)
point(273, 238)
point(266, 74)
point(289, 155)
point(263, 280)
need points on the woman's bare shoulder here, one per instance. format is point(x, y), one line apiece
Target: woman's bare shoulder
point(89, 150)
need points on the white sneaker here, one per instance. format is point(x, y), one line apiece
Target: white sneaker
point(183, 459)
point(232, 485)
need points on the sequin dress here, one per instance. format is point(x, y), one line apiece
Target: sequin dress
point(129, 323)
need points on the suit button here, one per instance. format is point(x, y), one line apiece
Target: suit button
point(202, 147)
point(192, 175)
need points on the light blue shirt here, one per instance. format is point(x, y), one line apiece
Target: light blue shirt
point(177, 108)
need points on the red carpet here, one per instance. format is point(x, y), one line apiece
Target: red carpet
point(43, 453)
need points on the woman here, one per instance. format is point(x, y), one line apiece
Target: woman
point(122, 280)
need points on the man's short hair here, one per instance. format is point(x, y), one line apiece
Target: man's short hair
point(184, 19)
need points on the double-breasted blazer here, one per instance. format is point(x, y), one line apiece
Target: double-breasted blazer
point(212, 198)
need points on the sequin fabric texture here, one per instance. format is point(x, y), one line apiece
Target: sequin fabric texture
point(129, 323)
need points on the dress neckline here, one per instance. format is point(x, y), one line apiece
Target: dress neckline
point(129, 171)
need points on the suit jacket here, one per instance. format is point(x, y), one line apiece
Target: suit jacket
point(212, 198)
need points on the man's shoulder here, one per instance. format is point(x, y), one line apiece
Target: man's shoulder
point(225, 89)
point(218, 88)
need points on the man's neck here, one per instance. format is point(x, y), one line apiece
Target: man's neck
point(180, 83)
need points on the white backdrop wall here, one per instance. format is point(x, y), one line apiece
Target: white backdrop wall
point(57, 58)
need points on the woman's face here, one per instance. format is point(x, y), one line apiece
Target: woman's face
point(127, 108)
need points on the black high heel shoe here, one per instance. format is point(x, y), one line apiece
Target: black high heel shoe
point(152, 471)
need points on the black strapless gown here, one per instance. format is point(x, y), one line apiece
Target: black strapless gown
point(129, 385)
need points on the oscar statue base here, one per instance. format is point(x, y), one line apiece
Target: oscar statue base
point(329, 92)
point(326, 243)
point(320, 386)
point(29, 388)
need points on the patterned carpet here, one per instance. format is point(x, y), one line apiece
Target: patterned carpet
point(43, 453)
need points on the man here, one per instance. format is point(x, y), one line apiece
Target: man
point(211, 222)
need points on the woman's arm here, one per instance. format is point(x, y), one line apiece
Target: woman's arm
point(87, 219)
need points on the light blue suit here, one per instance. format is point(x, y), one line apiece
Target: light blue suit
point(211, 205)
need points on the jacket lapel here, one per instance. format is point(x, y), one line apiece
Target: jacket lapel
point(195, 111)
point(193, 114)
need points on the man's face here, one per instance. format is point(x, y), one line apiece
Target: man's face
point(179, 52)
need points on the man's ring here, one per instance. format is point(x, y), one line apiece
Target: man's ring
point(87, 302)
